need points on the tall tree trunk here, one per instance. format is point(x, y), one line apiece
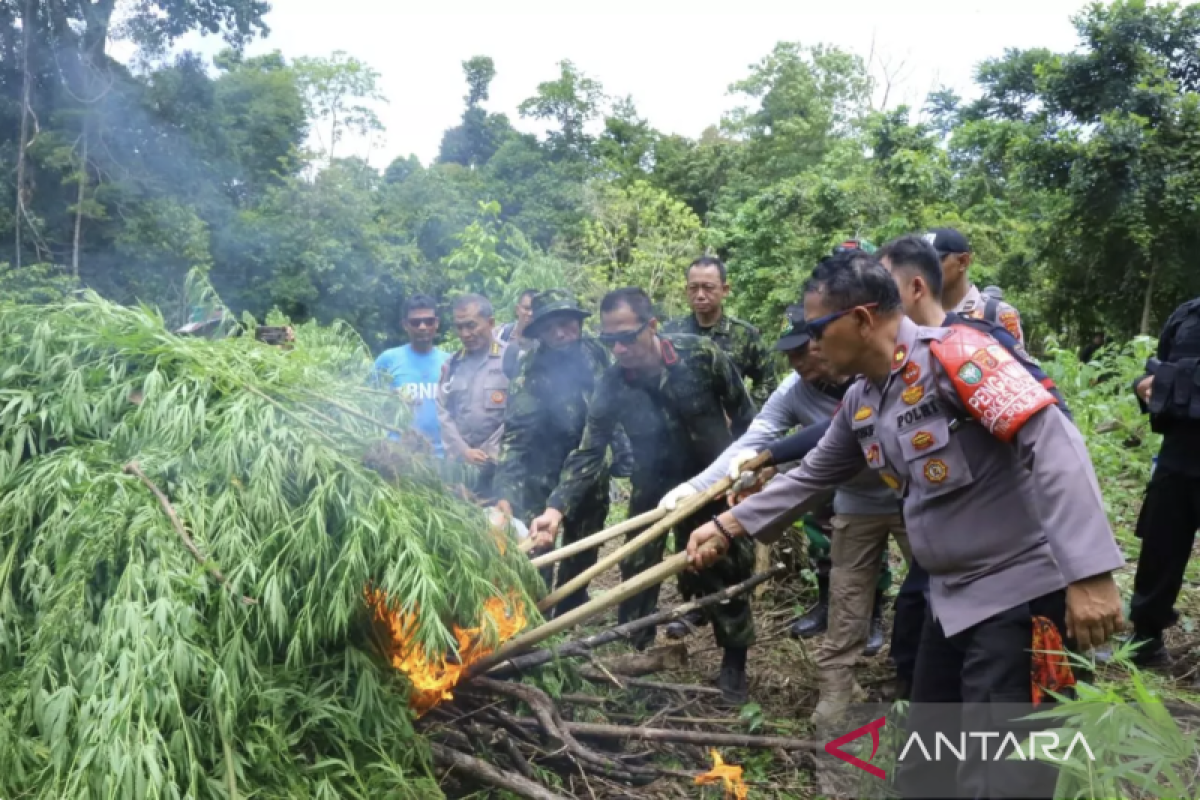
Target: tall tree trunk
point(1144, 328)
point(79, 198)
point(23, 141)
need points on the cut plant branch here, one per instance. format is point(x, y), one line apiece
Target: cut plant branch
point(485, 773)
point(133, 469)
point(702, 738)
point(684, 510)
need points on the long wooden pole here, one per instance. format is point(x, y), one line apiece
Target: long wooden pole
point(684, 510)
point(638, 583)
point(631, 524)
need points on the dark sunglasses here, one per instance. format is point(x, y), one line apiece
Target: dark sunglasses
point(625, 338)
point(816, 327)
point(422, 322)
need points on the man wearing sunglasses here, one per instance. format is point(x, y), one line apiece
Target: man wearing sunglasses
point(677, 397)
point(414, 368)
point(1002, 507)
point(866, 512)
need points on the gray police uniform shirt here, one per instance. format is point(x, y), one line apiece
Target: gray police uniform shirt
point(472, 397)
point(1000, 498)
point(796, 403)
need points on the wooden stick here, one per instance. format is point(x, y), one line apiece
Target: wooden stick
point(686, 509)
point(644, 580)
point(581, 646)
point(704, 738)
point(132, 468)
point(631, 524)
point(486, 773)
point(641, 683)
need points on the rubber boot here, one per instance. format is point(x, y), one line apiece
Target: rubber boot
point(875, 633)
point(688, 624)
point(839, 689)
point(733, 683)
point(816, 620)
point(1152, 652)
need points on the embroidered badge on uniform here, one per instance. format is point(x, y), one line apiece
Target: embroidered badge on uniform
point(874, 455)
point(922, 440)
point(936, 470)
point(911, 373)
point(497, 397)
point(890, 481)
point(861, 414)
point(970, 374)
point(1011, 322)
point(899, 356)
point(913, 394)
point(985, 359)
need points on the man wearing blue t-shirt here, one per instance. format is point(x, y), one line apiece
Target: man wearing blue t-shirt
point(414, 369)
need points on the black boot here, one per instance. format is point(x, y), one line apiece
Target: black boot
point(1152, 653)
point(733, 683)
point(875, 634)
point(816, 620)
point(689, 623)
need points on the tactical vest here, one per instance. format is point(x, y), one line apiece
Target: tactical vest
point(1176, 389)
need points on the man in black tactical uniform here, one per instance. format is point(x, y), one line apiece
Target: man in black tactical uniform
point(1170, 393)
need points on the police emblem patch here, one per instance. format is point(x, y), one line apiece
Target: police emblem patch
point(970, 374)
point(911, 373)
point(936, 470)
point(874, 455)
point(922, 440)
point(913, 394)
point(1011, 322)
point(861, 414)
point(891, 481)
point(497, 397)
point(899, 356)
point(985, 359)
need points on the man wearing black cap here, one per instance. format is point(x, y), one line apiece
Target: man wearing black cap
point(959, 295)
point(865, 511)
point(547, 410)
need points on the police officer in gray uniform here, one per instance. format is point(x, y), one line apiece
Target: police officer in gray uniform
point(473, 393)
point(1002, 508)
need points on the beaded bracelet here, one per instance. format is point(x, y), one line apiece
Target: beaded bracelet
point(721, 529)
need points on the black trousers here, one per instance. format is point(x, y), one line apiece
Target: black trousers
point(979, 680)
point(907, 622)
point(1167, 527)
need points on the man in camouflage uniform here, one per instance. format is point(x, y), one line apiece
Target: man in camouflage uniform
point(707, 288)
point(677, 397)
point(547, 408)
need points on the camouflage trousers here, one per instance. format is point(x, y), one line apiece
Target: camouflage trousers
point(733, 621)
point(819, 549)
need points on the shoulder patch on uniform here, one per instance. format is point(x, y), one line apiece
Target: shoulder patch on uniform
point(1011, 321)
point(669, 354)
point(1002, 397)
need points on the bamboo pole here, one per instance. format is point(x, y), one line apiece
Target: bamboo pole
point(687, 508)
point(638, 583)
point(631, 524)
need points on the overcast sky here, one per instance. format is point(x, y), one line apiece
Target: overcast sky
point(675, 58)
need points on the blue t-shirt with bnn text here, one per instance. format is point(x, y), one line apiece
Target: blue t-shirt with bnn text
point(415, 375)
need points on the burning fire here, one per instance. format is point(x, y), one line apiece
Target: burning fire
point(433, 680)
point(728, 774)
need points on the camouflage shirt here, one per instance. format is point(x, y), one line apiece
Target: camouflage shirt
point(742, 342)
point(678, 421)
point(547, 410)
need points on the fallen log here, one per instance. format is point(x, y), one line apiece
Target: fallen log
point(703, 738)
point(685, 509)
point(485, 773)
point(582, 646)
point(596, 539)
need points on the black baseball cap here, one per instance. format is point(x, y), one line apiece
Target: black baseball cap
point(947, 241)
point(795, 330)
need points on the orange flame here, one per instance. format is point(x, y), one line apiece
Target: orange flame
point(433, 680)
point(729, 774)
